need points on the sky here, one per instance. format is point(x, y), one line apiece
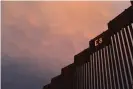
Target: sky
point(39, 38)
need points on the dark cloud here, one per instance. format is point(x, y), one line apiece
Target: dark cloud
point(24, 74)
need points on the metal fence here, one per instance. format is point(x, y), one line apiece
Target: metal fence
point(107, 63)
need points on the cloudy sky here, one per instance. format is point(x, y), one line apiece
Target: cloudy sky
point(40, 38)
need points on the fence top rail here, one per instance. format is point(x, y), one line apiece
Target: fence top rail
point(68, 69)
point(46, 86)
point(56, 78)
point(122, 20)
point(82, 57)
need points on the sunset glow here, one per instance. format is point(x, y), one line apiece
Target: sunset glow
point(38, 35)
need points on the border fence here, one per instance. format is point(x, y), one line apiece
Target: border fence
point(107, 63)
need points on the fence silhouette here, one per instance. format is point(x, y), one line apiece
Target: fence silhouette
point(107, 63)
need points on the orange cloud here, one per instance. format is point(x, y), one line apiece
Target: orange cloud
point(57, 30)
point(39, 38)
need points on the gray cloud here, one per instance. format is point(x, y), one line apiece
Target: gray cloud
point(19, 75)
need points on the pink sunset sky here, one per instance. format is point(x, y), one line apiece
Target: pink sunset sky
point(40, 38)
